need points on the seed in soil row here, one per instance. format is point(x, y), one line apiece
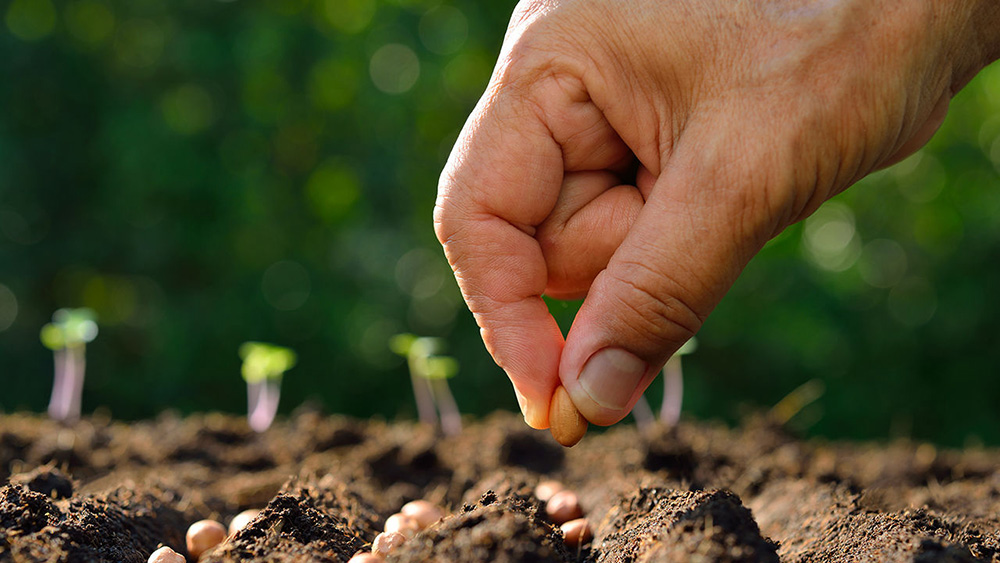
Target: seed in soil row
point(566, 423)
point(362, 557)
point(165, 555)
point(424, 512)
point(402, 524)
point(563, 507)
point(386, 542)
point(545, 489)
point(241, 520)
point(203, 535)
point(576, 532)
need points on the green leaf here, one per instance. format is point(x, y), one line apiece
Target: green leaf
point(402, 343)
point(52, 337)
point(441, 367)
point(265, 361)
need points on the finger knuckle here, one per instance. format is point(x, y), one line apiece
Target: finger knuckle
point(658, 308)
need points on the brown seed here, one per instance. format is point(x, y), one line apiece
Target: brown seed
point(545, 489)
point(563, 507)
point(241, 520)
point(203, 535)
point(362, 557)
point(386, 542)
point(425, 513)
point(165, 555)
point(576, 532)
point(566, 423)
point(402, 524)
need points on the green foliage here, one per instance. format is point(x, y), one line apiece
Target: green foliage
point(423, 355)
point(69, 328)
point(265, 361)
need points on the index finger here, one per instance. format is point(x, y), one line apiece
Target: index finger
point(503, 178)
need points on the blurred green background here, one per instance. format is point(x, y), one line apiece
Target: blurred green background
point(202, 173)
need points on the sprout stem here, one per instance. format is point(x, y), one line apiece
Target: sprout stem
point(67, 386)
point(262, 403)
point(451, 418)
point(58, 404)
point(673, 392)
point(423, 395)
point(78, 365)
point(643, 415)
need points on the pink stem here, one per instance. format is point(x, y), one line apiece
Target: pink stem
point(673, 392)
point(78, 366)
point(451, 418)
point(263, 403)
point(424, 399)
point(643, 414)
point(58, 407)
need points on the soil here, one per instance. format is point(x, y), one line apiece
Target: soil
point(102, 490)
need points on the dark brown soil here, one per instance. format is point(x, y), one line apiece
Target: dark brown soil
point(101, 490)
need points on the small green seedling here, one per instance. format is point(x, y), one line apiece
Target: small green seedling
point(429, 374)
point(673, 392)
point(263, 367)
point(67, 336)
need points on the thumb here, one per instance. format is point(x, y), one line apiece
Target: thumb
point(696, 232)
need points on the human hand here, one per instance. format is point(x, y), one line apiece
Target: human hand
point(640, 152)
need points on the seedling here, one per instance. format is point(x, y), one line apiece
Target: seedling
point(793, 403)
point(673, 392)
point(429, 374)
point(263, 367)
point(67, 336)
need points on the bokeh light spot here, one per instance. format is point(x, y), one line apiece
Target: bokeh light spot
point(30, 20)
point(266, 95)
point(394, 68)
point(421, 273)
point(90, 22)
point(443, 30)
point(139, 43)
point(465, 77)
point(286, 285)
point(8, 307)
point(829, 237)
point(882, 263)
point(913, 302)
point(114, 298)
point(187, 109)
point(332, 190)
point(333, 84)
point(25, 226)
point(348, 16)
point(920, 178)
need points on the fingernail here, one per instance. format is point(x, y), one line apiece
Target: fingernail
point(530, 413)
point(611, 376)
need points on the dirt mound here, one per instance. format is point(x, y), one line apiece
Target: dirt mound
point(106, 491)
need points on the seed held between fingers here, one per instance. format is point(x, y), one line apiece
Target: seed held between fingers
point(386, 542)
point(566, 423)
point(165, 555)
point(203, 535)
point(576, 532)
